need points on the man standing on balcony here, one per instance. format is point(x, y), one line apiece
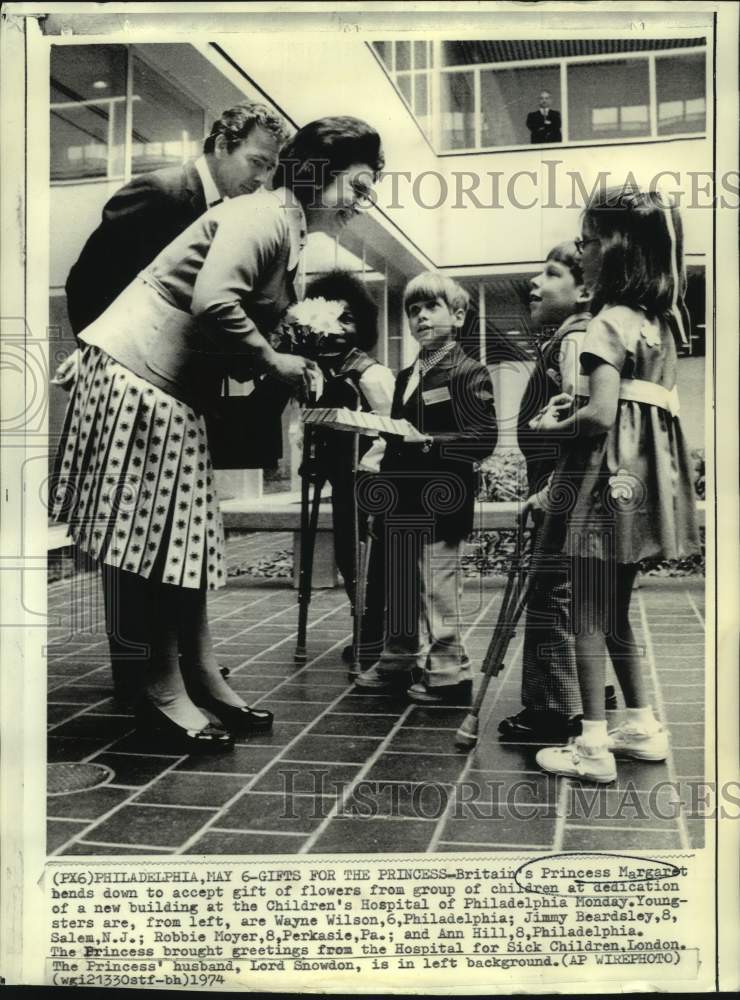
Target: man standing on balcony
point(544, 124)
point(141, 219)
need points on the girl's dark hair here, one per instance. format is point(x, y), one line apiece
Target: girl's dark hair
point(338, 285)
point(324, 148)
point(641, 250)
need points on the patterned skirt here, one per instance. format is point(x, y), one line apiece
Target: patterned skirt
point(134, 481)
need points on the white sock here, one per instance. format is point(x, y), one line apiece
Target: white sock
point(642, 717)
point(594, 733)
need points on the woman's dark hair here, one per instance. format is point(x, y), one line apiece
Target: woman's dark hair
point(236, 123)
point(641, 250)
point(322, 149)
point(338, 285)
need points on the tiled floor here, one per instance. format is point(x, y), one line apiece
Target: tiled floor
point(345, 771)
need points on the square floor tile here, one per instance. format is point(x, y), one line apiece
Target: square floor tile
point(89, 726)
point(525, 825)
point(307, 692)
point(87, 805)
point(416, 768)
point(441, 717)
point(156, 826)
point(417, 740)
point(276, 813)
point(237, 843)
point(347, 749)
point(281, 733)
point(59, 832)
point(372, 704)
point(244, 759)
point(604, 838)
point(351, 725)
point(287, 776)
point(193, 789)
point(71, 748)
point(400, 799)
point(374, 836)
point(688, 762)
point(497, 755)
point(133, 769)
point(293, 711)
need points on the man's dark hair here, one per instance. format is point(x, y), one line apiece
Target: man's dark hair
point(322, 149)
point(338, 285)
point(236, 123)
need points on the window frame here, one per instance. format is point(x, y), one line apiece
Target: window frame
point(124, 176)
point(436, 70)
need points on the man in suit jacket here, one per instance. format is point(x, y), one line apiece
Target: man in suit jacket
point(141, 219)
point(431, 484)
point(545, 124)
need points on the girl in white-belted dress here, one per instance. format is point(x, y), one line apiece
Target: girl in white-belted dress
point(622, 490)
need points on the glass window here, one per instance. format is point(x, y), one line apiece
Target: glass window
point(508, 96)
point(608, 100)
point(403, 55)
point(420, 55)
point(88, 119)
point(385, 51)
point(168, 127)
point(680, 83)
point(403, 82)
point(458, 111)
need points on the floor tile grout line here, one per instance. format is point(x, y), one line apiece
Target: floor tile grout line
point(117, 843)
point(66, 656)
point(262, 833)
point(695, 609)
point(623, 829)
point(81, 712)
point(561, 815)
point(280, 755)
point(683, 833)
point(297, 673)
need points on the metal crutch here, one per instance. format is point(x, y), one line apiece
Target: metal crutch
point(518, 587)
point(309, 524)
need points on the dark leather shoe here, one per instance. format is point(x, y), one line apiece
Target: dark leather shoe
point(531, 726)
point(447, 694)
point(239, 720)
point(173, 738)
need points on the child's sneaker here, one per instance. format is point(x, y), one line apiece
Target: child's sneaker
point(632, 740)
point(580, 760)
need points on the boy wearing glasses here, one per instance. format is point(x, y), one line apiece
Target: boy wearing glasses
point(430, 483)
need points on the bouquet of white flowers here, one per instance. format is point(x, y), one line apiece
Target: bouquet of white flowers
point(312, 329)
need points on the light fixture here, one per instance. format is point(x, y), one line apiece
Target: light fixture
point(100, 85)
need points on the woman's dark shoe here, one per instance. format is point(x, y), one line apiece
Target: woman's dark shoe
point(168, 735)
point(241, 720)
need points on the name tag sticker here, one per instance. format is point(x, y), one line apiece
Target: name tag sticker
point(440, 395)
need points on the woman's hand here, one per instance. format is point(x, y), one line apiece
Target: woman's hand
point(296, 372)
point(68, 371)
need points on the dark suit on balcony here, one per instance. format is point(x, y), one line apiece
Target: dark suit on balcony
point(545, 126)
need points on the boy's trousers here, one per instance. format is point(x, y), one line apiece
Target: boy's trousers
point(549, 674)
point(423, 634)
